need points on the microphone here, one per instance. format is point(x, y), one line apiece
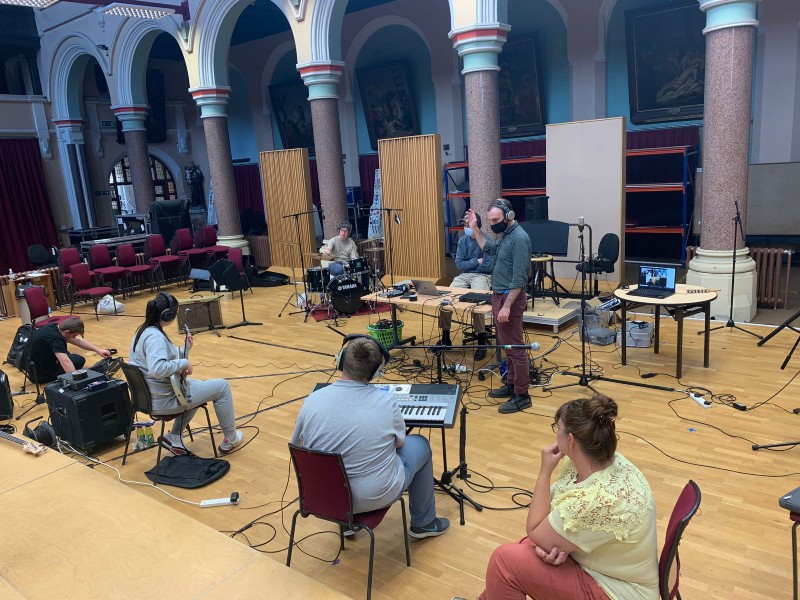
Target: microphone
point(397, 218)
point(531, 346)
point(581, 223)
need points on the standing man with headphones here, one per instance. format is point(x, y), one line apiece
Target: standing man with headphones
point(158, 358)
point(512, 257)
point(364, 424)
point(340, 249)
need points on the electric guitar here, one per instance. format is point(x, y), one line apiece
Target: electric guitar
point(27, 445)
point(180, 385)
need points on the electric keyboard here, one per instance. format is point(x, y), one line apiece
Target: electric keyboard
point(422, 404)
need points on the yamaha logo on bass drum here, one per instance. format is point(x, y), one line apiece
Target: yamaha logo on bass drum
point(348, 286)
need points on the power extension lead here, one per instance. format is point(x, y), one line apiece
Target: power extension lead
point(233, 499)
point(700, 400)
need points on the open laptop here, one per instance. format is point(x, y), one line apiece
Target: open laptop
point(655, 282)
point(427, 288)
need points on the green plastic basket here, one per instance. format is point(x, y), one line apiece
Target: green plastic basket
point(385, 336)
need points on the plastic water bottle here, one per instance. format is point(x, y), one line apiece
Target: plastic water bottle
point(11, 274)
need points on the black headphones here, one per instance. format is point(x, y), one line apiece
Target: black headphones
point(169, 313)
point(378, 370)
point(505, 206)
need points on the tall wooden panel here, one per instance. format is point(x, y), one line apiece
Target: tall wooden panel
point(411, 180)
point(287, 190)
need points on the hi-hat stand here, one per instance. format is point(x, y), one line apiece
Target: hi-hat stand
point(787, 324)
point(294, 295)
point(737, 229)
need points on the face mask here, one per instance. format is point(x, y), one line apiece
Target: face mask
point(468, 231)
point(499, 227)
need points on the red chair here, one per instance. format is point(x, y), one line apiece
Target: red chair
point(669, 565)
point(102, 265)
point(126, 258)
point(184, 246)
point(235, 256)
point(155, 252)
point(82, 288)
point(325, 493)
point(39, 307)
point(208, 237)
point(66, 258)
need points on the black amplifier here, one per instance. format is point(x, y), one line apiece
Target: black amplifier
point(89, 417)
point(80, 379)
point(6, 402)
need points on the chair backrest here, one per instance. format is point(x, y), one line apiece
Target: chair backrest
point(126, 255)
point(669, 565)
point(68, 257)
point(80, 276)
point(99, 256)
point(40, 256)
point(184, 239)
point(140, 394)
point(209, 236)
point(154, 245)
point(37, 301)
point(235, 256)
point(322, 483)
point(609, 248)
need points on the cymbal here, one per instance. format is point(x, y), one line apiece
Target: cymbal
point(313, 254)
point(374, 250)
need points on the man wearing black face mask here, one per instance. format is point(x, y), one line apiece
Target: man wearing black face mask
point(512, 256)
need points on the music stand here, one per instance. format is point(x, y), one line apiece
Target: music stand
point(224, 272)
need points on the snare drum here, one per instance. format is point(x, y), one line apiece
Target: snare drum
point(318, 279)
point(346, 295)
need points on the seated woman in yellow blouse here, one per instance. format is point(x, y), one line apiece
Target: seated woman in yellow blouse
point(592, 534)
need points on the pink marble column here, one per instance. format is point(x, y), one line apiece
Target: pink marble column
point(322, 80)
point(213, 103)
point(479, 46)
point(135, 132)
point(730, 45)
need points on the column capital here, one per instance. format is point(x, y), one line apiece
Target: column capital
point(479, 45)
point(69, 131)
point(132, 117)
point(321, 78)
point(213, 101)
point(723, 14)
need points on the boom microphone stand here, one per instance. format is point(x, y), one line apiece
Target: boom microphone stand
point(737, 228)
point(389, 238)
point(296, 216)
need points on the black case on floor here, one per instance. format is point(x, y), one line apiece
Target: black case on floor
point(90, 417)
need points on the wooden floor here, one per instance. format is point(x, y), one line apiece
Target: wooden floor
point(737, 547)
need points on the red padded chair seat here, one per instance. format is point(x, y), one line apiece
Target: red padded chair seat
point(95, 292)
point(111, 271)
point(50, 321)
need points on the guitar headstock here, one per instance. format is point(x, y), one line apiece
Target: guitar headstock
point(34, 448)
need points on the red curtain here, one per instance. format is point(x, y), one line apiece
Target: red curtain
point(367, 163)
point(248, 188)
point(25, 214)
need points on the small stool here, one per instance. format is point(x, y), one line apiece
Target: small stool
point(540, 276)
point(796, 518)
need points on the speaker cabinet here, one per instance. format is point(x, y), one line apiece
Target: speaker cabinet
point(196, 312)
point(91, 417)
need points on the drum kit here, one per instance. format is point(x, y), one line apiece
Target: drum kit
point(342, 292)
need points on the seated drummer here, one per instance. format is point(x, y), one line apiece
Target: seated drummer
point(340, 249)
point(476, 274)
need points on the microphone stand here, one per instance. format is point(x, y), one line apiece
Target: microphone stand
point(389, 239)
point(295, 216)
point(584, 378)
point(737, 228)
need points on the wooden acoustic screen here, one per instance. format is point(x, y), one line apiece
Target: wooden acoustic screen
point(411, 180)
point(287, 190)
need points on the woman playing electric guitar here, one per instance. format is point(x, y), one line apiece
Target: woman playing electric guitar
point(159, 360)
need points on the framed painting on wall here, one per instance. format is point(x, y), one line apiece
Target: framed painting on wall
point(293, 115)
point(388, 101)
point(666, 62)
point(521, 100)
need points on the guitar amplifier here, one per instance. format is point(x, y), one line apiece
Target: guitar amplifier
point(92, 416)
point(6, 402)
point(196, 311)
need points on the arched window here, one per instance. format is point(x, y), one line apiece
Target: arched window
point(121, 185)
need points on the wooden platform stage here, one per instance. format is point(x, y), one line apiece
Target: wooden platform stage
point(737, 547)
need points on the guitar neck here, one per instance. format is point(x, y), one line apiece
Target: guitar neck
point(11, 438)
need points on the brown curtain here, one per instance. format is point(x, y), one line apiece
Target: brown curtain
point(25, 214)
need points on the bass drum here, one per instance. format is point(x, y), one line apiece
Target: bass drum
point(346, 295)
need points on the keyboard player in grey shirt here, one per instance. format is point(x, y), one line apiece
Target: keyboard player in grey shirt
point(364, 424)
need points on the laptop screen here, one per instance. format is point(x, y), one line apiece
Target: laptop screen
point(660, 278)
